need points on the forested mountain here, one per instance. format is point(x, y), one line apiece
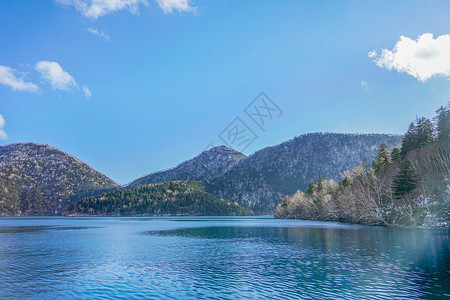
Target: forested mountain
point(168, 198)
point(261, 180)
point(405, 186)
point(209, 164)
point(38, 179)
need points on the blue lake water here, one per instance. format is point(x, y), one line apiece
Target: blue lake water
point(218, 257)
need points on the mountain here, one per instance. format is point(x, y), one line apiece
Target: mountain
point(209, 164)
point(37, 179)
point(408, 186)
point(168, 198)
point(261, 180)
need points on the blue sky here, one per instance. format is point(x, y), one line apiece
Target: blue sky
point(134, 89)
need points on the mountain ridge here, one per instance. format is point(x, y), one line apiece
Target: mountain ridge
point(205, 165)
point(42, 179)
point(238, 185)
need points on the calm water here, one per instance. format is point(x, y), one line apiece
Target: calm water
point(214, 257)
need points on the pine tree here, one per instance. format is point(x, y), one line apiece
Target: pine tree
point(395, 154)
point(383, 160)
point(406, 179)
point(311, 188)
point(319, 183)
point(442, 123)
point(425, 132)
point(408, 142)
point(418, 135)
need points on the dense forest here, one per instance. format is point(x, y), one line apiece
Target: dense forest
point(38, 179)
point(168, 198)
point(407, 186)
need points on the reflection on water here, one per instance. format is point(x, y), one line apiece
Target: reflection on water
point(24, 229)
point(219, 258)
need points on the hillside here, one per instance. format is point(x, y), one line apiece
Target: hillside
point(209, 164)
point(169, 198)
point(407, 186)
point(262, 179)
point(40, 179)
point(37, 179)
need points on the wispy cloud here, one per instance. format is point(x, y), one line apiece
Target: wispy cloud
point(15, 80)
point(364, 84)
point(3, 135)
point(98, 8)
point(422, 58)
point(53, 73)
point(168, 6)
point(87, 92)
point(99, 33)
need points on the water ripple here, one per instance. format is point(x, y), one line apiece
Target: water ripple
point(229, 259)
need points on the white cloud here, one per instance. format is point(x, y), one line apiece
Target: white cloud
point(58, 78)
point(53, 73)
point(87, 92)
point(372, 54)
point(3, 135)
point(97, 8)
point(8, 76)
point(364, 84)
point(100, 34)
point(168, 6)
point(422, 58)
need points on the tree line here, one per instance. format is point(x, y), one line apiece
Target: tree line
point(404, 186)
point(167, 198)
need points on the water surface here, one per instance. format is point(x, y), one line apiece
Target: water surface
point(218, 257)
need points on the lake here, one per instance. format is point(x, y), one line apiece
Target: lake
point(218, 257)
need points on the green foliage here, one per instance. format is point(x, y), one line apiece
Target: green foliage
point(406, 179)
point(419, 135)
point(319, 183)
point(345, 182)
point(396, 154)
point(383, 160)
point(168, 198)
point(442, 121)
point(311, 189)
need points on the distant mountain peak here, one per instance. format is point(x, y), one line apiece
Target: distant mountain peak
point(261, 179)
point(205, 166)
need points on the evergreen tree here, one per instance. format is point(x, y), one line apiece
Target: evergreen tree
point(311, 188)
point(406, 179)
point(408, 142)
point(383, 160)
point(395, 154)
point(418, 135)
point(319, 183)
point(442, 123)
point(425, 132)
